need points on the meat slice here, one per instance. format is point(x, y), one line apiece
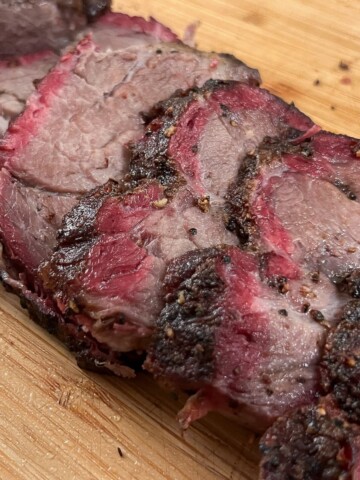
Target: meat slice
point(232, 339)
point(219, 125)
point(111, 31)
point(107, 271)
point(31, 215)
point(293, 205)
point(71, 136)
point(296, 205)
point(114, 31)
point(320, 441)
point(17, 77)
point(103, 93)
point(31, 26)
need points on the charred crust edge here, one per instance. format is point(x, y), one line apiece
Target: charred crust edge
point(89, 354)
point(185, 330)
point(308, 444)
point(149, 157)
point(340, 365)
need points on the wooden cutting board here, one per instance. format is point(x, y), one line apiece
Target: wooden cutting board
point(60, 423)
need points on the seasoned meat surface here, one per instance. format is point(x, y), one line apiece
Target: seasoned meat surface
point(17, 78)
point(315, 442)
point(233, 339)
point(174, 205)
point(282, 206)
point(72, 134)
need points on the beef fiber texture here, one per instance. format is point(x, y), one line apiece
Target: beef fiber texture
point(214, 228)
point(17, 78)
point(19, 74)
point(107, 271)
point(102, 92)
point(250, 334)
point(93, 89)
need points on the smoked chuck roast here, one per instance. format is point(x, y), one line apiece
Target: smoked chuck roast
point(309, 255)
point(323, 440)
point(71, 138)
point(225, 241)
point(20, 73)
point(106, 274)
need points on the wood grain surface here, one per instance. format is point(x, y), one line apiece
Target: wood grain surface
point(60, 423)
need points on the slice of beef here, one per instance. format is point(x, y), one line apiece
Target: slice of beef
point(219, 125)
point(30, 26)
point(73, 133)
point(235, 341)
point(17, 77)
point(296, 205)
point(103, 94)
point(107, 273)
point(114, 31)
point(319, 441)
point(71, 136)
point(314, 442)
point(31, 215)
point(293, 205)
point(113, 248)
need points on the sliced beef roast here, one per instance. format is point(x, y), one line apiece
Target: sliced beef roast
point(103, 94)
point(296, 205)
point(17, 77)
point(233, 339)
point(30, 26)
point(293, 205)
point(71, 136)
point(321, 441)
point(108, 269)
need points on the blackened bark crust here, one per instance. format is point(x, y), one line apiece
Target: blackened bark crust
point(188, 322)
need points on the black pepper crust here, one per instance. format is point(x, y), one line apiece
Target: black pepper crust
point(149, 156)
point(310, 444)
point(189, 319)
point(240, 193)
point(79, 223)
point(340, 365)
point(89, 354)
point(351, 284)
point(76, 236)
point(239, 196)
